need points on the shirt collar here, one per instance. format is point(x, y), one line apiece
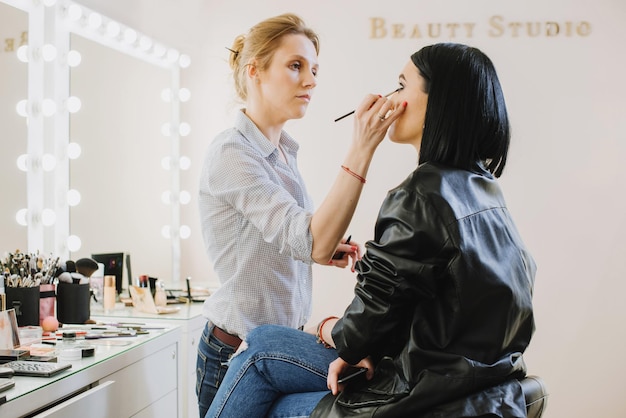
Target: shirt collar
point(254, 135)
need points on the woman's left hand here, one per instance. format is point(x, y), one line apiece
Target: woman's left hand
point(339, 365)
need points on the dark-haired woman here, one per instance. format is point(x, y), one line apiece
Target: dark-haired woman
point(442, 310)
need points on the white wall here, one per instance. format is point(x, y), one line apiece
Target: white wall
point(564, 182)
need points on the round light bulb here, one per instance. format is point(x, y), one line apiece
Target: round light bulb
point(184, 163)
point(184, 95)
point(166, 197)
point(22, 53)
point(166, 163)
point(48, 52)
point(94, 21)
point(74, 12)
point(184, 61)
point(74, 58)
point(159, 50)
point(74, 243)
point(73, 104)
point(145, 43)
point(130, 36)
point(48, 107)
point(73, 197)
point(165, 231)
point(184, 197)
point(22, 162)
point(48, 162)
point(113, 29)
point(73, 150)
point(172, 55)
point(21, 108)
point(48, 217)
point(185, 232)
point(184, 129)
point(22, 217)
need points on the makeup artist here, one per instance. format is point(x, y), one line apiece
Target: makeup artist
point(260, 227)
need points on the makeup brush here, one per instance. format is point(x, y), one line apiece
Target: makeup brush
point(349, 113)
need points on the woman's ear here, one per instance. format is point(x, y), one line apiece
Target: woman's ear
point(252, 70)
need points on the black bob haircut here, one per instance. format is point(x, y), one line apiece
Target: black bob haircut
point(466, 117)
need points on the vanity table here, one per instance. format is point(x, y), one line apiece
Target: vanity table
point(191, 323)
point(133, 376)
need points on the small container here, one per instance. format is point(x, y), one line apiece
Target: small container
point(109, 293)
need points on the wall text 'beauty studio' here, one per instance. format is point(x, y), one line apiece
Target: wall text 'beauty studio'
point(496, 26)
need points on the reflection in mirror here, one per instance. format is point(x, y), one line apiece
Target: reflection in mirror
point(119, 173)
point(13, 88)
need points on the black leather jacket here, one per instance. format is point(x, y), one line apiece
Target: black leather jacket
point(442, 304)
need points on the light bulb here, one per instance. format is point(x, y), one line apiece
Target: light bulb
point(165, 231)
point(21, 108)
point(94, 21)
point(145, 43)
point(74, 58)
point(48, 217)
point(73, 150)
point(184, 95)
point(48, 52)
point(184, 197)
point(184, 163)
point(21, 217)
point(73, 197)
point(184, 61)
point(185, 232)
point(113, 29)
point(172, 55)
point(184, 129)
point(73, 104)
point(22, 162)
point(159, 50)
point(48, 107)
point(48, 162)
point(74, 12)
point(22, 53)
point(130, 36)
point(73, 243)
point(166, 163)
point(166, 197)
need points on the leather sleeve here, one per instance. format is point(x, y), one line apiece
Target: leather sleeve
point(411, 249)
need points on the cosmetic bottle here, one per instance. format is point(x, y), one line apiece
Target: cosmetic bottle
point(109, 293)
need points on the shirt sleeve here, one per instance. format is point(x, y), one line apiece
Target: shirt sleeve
point(249, 183)
point(400, 268)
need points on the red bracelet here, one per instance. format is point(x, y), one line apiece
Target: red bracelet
point(353, 174)
point(320, 335)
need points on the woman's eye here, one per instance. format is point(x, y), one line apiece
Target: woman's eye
point(400, 87)
point(296, 66)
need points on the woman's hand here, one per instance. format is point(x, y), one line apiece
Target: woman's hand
point(345, 252)
point(339, 365)
point(372, 120)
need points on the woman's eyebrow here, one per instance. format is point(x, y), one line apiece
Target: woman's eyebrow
point(401, 77)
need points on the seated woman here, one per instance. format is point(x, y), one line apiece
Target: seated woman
point(442, 310)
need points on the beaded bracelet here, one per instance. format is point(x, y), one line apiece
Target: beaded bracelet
point(353, 174)
point(320, 335)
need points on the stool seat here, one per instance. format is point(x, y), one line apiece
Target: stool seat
point(535, 395)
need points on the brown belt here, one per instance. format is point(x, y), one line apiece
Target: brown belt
point(226, 338)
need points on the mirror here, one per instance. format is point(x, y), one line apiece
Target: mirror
point(119, 173)
point(14, 87)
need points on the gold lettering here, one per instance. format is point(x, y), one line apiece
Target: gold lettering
point(584, 29)
point(470, 29)
point(377, 28)
point(552, 29)
point(452, 27)
point(398, 30)
point(431, 32)
point(515, 26)
point(534, 29)
point(416, 32)
point(9, 45)
point(496, 23)
point(24, 38)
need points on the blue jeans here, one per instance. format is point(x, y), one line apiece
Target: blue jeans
point(282, 373)
point(211, 366)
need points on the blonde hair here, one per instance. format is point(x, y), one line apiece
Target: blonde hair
point(261, 42)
